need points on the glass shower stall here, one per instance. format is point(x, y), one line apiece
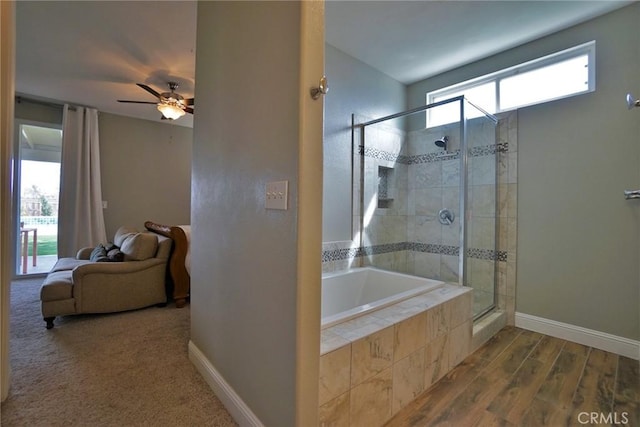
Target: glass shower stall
point(425, 195)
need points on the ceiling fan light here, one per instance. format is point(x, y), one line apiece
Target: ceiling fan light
point(170, 111)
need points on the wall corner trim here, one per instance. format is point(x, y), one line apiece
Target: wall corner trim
point(239, 410)
point(589, 337)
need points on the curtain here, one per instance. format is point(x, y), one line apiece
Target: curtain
point(80, 215)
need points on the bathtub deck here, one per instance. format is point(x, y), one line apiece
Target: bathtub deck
point(373, 366)
point(343, 334)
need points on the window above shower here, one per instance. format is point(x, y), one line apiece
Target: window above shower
point(560, 75)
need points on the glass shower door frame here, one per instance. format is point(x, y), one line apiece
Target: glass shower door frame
point(466, 208)
point(465, 114)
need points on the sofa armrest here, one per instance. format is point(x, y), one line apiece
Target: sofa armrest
point(84, 253)
point(114, 267)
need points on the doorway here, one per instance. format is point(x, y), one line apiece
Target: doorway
point(37, 189)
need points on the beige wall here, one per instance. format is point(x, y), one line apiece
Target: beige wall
point(577, 248)
point(244, 282)
point(578, 238)
point(38, 112)
point(146, 171)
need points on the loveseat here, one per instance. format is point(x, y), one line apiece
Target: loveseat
point(127, 274)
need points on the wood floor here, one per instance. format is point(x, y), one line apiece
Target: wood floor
point(522, 378)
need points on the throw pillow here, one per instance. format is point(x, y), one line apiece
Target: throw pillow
point(115, 255)
point(139, 246)
point(99, 254)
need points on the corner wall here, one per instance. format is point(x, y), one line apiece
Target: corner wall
point(244, 281)
point(577, 264)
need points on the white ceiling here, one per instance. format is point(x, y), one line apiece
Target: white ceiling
point(413, 40)
point(93, 52)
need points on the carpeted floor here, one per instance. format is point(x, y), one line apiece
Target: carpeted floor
point(123, 369)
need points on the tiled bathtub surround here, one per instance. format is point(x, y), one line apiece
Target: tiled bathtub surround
point(426, 179)
point(374, 365)
point(367, 363)
point(406, 236)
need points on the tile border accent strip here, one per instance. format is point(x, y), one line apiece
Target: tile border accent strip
point(486, 150)
point(342, 254)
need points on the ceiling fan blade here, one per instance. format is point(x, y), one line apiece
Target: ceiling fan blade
point(188, 110)
point(148, 89)
point(189, 101)
point(137, 102)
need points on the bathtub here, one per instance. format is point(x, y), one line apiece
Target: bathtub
point(352, 293)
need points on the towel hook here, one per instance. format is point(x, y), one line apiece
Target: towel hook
point(322, 88)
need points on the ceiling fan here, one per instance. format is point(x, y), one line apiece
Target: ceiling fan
point(171, 104)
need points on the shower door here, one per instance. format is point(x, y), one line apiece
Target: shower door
point(426, 196)
point(481, 224)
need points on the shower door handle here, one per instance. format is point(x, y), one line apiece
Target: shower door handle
point(631, 194)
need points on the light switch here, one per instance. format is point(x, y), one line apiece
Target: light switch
point(277, 195)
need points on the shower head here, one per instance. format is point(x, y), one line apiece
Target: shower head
point(442, 142)
point(631, 103)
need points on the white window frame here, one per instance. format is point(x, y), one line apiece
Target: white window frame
point(588, 49)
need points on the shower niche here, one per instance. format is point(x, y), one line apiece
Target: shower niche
point(403, 181)
point(385, 187)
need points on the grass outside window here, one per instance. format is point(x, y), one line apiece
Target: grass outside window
point(47, 245)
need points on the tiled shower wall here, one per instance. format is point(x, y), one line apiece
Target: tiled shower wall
point(508, 214)
point(408, 179)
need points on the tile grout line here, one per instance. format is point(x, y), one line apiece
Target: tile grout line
point(485, 367)
point(526, 357)
point(500, 416)
point(482, 370)
point(584, 367)
point(615, 384)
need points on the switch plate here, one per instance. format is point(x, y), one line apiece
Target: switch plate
point(277, 194)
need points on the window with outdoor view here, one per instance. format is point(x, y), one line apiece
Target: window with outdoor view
point(559, 75)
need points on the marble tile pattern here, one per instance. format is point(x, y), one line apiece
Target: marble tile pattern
point(374, 365)
point(507, 213)
point(335, 367)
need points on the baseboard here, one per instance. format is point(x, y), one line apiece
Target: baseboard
point(239, 410)
point(611, 343)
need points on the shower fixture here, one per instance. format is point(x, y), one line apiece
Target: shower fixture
point(446, 216)
point(631, 103)
point(442, 142)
